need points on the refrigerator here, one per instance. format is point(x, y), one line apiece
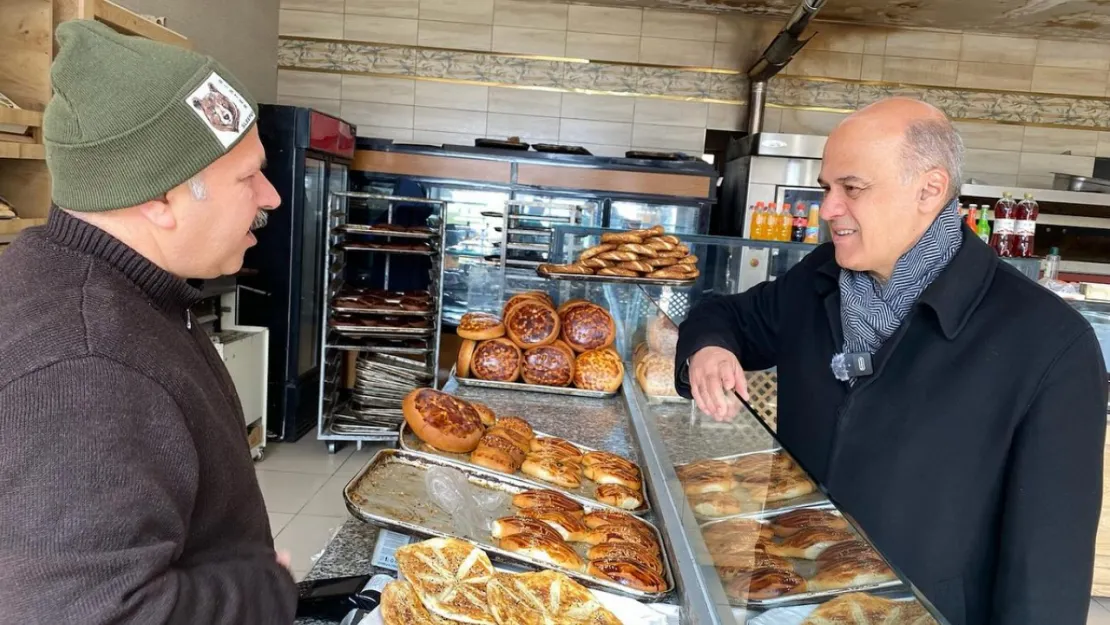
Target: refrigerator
point(308, 154)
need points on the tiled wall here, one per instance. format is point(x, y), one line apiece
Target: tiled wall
point(437, 112)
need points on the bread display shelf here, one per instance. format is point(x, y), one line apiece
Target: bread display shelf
point(359, 229)
point(757, 509)
point(382, 332)
point(808, 569)
point(581, 277)
point(588, 490)
point(385, 248)
point(390, 492)
point(391, 312)
point(534, 388)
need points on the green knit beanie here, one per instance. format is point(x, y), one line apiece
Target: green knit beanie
point(132, 118)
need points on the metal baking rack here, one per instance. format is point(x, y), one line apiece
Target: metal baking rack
point(526, 237)
point(360, 397)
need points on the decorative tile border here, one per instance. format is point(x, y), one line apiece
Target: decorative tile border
point(678, 83)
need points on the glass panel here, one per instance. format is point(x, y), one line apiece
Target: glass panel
point(311, 271)
point(676, 218)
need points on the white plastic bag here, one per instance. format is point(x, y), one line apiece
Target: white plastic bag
point(472, 509)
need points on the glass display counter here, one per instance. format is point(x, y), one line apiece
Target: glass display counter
point(753, 538)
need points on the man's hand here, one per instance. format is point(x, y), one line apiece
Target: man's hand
point(714, 374)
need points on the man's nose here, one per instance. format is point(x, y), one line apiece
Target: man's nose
point(831, 207)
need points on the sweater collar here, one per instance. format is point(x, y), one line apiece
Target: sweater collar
point(166, 291)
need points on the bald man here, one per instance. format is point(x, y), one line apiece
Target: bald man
point(952, 406)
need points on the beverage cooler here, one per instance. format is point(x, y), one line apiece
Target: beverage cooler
point(308, 155)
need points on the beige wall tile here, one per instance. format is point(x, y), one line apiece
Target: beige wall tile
point(465, 11)
point(920, 71)
point(1074, 54)
point(727, 116)
point(772, 119)
point(670, 112)
point(533, 101)
point(381, 29)
point(529, 128)
point(606, 150)
point(994, 76)
point(529, 41)
point(529, 14)
point(730, 55)
point(846, 38)
point(1037, 164)
point(454, 35)
point(433, 137)
point(680, 52)
point(992, 161)
point(385, 8)
point(1031, 181)
point(375, 89)
point(584, 131)
point(607, 108)
point(450, 120)
point(1060, 140)
point(384, 132)
point(983, 177)
point(1069, 81)
point(310, 24)
point(603, 47)
point(758, 31)
point(809, 122)
point(922, 44)
point(377, 114)
point(991, 136)
point(450, 96)
point(691, 140)
point(679, 25)
point(309, 84)
point(331, 107)
point(871, 67)
point(324, 6)
point(1103, 149)
point(821, 64)
point(992, 49)
point(609, 20)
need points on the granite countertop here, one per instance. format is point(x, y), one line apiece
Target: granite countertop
point(601, 424)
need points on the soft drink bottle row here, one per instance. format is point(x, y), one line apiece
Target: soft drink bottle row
point(790, 223)
point(1015, 226)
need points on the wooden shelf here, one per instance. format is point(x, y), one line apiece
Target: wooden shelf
point(131, 23)
point(29, 151)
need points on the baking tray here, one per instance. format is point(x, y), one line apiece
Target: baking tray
point(400, 312)
point(814, 499)
point(349, 247)
point(411, 442)
point(369, 331)
point(372, 230)
point(534, 388)
point(807, 569)
point(582, 277)
point(389, 492)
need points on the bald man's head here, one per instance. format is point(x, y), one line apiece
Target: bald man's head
point(888, 170)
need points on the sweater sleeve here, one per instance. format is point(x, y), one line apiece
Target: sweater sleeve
point(98, 477)
point(1053, 495)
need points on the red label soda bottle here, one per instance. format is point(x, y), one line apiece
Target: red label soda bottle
point(1005, 224)
point(1026, 228)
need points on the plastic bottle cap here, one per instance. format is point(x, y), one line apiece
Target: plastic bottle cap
point(1053, 251)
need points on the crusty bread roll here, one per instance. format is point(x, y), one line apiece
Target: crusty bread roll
point(626, 551)
point(493, 458)
point(655, 373)
point(662, 336)
point(497, 360)
point(619, 496)
point(599, 370)
point(600, 518)
point(688, 260)
point(569, 525)
point(708, 482)
point(793, 522)
point(675, 272)
point(716, 505)
point(498, 440)
point(543, 549)
point(590, 252)
point(441, 420)
point(466, 354)
point(850, 574)
point(622, 534)
point(547, 499)
point(614, 473)
point(558, 447)
point(587, 326)
point(480, 326)
point(636, 265)
point(659, 244)
point(572, 268)
point(639, 249)
point(604, 457)
point(628, 573)
point(484, 413)
point(549, 365)
point(729, 565)
point(734, 529)
point(618, 256)
point(557, 471)
point(518, 425)
point(847, 550)
point(510, 525)
point(660, 262)
point(532, 324)
point(595, 263)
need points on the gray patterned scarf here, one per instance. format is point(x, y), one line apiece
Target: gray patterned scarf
point(871, 312)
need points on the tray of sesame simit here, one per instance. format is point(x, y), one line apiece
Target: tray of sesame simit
point(537, 346)
point(648, 257)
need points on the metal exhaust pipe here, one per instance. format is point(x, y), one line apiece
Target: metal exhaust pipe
point(777, 55)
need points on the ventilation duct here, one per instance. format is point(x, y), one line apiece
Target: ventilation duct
point(781, 50)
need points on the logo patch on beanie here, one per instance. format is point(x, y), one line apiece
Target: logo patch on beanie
point(226, 113)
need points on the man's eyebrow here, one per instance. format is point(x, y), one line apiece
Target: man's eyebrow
point(849, 178)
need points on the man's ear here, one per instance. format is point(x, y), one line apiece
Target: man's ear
point(159, 213)
point(934, 190)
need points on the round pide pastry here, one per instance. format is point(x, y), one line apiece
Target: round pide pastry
point(587, 326)
point(480, 326)
point(532, 324)
point(442, 421)
point(599, 370)
point(496, 360)
point(549, 365)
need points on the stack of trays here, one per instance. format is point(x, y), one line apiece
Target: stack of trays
point(381, 382)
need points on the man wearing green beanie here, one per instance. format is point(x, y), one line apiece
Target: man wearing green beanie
point(127, 491)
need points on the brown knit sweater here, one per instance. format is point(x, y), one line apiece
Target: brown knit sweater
point(127, 491)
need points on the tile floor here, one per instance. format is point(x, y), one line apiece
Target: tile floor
point(302, 485)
